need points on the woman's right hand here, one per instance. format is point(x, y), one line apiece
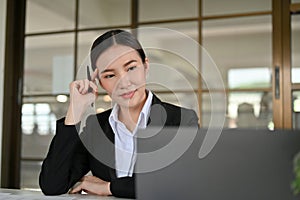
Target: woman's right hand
point(80, 98)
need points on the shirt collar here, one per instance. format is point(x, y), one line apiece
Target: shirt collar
point(145, 112)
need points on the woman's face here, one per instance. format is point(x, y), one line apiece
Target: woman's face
point(123, 75)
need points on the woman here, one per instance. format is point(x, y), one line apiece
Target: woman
point(120, 65)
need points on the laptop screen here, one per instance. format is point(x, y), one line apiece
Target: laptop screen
point(243, 164)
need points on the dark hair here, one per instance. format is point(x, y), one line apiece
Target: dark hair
point(111, 38)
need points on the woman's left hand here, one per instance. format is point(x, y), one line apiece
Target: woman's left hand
point(92, 185)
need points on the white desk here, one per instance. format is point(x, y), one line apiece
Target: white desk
point(13, 194)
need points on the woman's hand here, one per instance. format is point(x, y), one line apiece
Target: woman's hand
point(92, 185)
point(81, 98)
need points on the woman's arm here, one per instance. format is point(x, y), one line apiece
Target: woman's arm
point(66, 161)
point(123, 187)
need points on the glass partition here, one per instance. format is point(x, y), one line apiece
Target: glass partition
point(295, 41)
point(296, 110)
point(243, 110)
point(219, 7)
point(250, 109)
point(167, 9)
point(237, 43)
point(101, 13)
point(57, 15)
point(214, 107)
point(249, 78)
point(173, 52)
point(49, 64)
point(85, 41)
point(30, 174)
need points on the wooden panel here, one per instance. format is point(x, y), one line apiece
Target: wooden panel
point(286, 56)
point(295, 8)
point(296, 86)
point(277, 62)
point(13, 76)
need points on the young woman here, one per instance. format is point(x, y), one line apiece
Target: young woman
point(120, 65)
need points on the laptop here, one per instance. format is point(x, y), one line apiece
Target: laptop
point(244, 164)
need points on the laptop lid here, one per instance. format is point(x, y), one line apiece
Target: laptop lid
point(244, 164)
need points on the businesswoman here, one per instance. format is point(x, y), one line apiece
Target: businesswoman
point(120, 65)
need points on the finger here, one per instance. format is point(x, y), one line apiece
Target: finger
point(77, 189)
point(75, 86)
point(93, 86)
point(79, 85)
point(86, 86)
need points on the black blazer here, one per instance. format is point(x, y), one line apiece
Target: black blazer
point(72, 155)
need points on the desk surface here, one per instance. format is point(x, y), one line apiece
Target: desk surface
point(13, 194)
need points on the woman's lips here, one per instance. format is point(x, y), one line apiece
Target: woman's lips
point(128, 95)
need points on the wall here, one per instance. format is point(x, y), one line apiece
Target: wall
point(2, 47)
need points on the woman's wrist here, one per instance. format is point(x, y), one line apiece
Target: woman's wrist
point(72, 118)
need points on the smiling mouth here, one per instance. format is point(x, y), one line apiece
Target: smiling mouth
point(128, 95)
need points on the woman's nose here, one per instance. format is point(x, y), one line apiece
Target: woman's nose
point(124, 81)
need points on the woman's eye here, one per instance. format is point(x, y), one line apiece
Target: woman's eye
point(131, 68)
point(109, 76)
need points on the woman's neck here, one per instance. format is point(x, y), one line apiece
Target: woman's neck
point(130, 115)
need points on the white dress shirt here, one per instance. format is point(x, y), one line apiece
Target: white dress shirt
point(125, 141)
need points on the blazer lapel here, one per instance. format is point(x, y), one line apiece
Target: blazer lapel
point(158, 114)
point(103, 119)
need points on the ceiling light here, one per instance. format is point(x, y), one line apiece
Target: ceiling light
point(100, 110)
point(106, 98)
point(61, 98)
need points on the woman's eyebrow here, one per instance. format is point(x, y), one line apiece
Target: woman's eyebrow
point(111, 70)
point(129, 62)
point(106, 70)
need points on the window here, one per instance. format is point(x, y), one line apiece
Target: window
point(37, 119)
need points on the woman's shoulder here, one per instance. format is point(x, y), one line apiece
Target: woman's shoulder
point(172, 107)
point(104, 115)
point(176, 108)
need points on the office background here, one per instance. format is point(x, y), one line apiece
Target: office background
point(252, 42)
